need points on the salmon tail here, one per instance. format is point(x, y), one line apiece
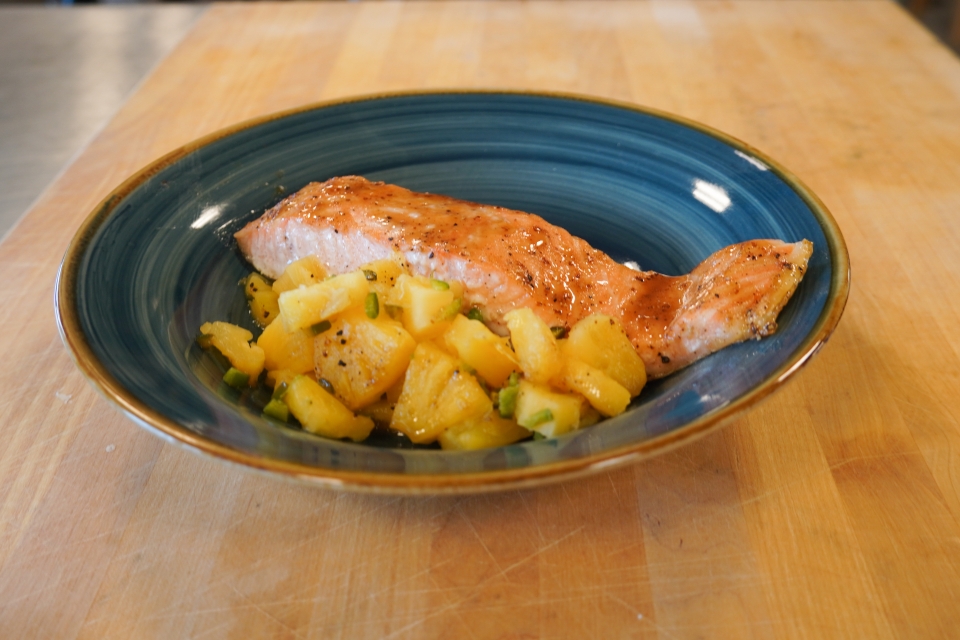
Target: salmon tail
point(734, 295)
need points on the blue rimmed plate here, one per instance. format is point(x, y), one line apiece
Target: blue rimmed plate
point(157, 258)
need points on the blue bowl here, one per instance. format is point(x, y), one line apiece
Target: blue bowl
point(157, 258)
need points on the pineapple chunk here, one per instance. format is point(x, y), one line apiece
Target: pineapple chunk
point(261, 298)
point(278, 376)
point(382, 274)
point(305, 271)
point(489, 431)
point(481, 349)
point(381, 409)
point(322, 414)
point(381, 412)
point(463, 399)
point(588, 415)
point(604, 394)
point(234, 343)
point(546, 412)
point(426, 378)
point(362, 358)
point(437, 394)
point(534, 344)
point(600, 342)
point(293, 351)
point(304, 307)
point(428, 305)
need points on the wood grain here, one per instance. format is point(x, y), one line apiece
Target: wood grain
point(829, 511)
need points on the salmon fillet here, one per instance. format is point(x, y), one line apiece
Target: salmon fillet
point(509, 259)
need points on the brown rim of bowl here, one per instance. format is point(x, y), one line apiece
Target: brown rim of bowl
point(423, 484)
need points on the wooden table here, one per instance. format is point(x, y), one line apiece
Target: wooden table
point(832, 510)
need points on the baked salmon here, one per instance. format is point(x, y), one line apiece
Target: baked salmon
point(509, 259)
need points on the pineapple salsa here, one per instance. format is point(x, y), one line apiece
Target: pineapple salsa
point(381, 348)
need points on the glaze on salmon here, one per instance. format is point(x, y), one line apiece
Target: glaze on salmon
point(509, 259)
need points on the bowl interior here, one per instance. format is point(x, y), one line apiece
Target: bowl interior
point(159, 259)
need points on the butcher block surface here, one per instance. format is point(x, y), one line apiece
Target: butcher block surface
point(831, 510)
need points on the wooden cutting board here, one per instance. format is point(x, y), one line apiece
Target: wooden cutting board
point(831, 510)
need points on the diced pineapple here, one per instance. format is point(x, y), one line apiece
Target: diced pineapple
point(489, 431)
point(381, 409)
point(428, 305)
point(588, 415)
point(463, 399)
point(481, 349)
point(546, 412)
point(600, 342)
point(321, 413)
point(234, 343)
point(279, 376)
point(437, 394)
point(362, 357)
point(305, 271)
point(534, 344)
point(293, 351)
point(428, 374)
point(382, 274)
point(304, 307)
point(261, 298)
point(605, 394)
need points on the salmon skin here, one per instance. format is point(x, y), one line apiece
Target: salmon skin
point(509, 259)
